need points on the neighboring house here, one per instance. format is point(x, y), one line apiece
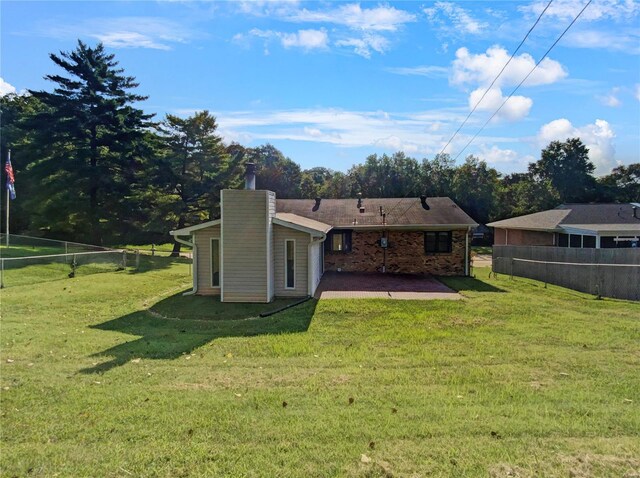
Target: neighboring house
point(263, 247)
point(573, 225)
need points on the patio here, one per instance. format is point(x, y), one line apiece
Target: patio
point(363, 285)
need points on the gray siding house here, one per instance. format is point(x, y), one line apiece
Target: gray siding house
point(262, 247)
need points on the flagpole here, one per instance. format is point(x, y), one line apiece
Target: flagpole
point(8, 202)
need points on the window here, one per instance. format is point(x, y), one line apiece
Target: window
point(289, 264)
point(215, 262)
point(589, 242)
point(338, 241)
point(575, 240)
point(563, 240)
point(437, 242)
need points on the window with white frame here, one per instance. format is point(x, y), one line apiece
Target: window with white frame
point(215, 262)
point(290, 264)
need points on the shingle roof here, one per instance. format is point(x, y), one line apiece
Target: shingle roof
point(400, 212)
point(295, 221)
point(572, 214)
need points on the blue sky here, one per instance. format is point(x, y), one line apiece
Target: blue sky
point(329, 83)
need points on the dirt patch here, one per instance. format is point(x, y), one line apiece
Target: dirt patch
point(504, 470)
point(592, 466)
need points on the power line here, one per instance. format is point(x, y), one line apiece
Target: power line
point(496, 78)
point(484, 94)
point(524, 79)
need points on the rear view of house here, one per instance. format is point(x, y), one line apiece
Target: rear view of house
point(263, 247)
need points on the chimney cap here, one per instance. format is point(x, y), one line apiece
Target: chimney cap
point(250, 168)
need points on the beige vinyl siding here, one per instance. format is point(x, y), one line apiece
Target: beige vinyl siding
point(202, 240)
point(245, 245)
point(280, 235)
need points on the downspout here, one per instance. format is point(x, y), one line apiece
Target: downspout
point(195, 263)
point(466, 252)
point(310, 292)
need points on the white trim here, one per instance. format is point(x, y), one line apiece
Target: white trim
point(466, 251)
point(298, 227)
point(269, 244)
point(194, 260)
point(186, 231)
point(407, 227)
point(211, 239)
point(222, 246)
point(294, 264)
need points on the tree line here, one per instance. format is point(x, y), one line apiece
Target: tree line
point(92, 166)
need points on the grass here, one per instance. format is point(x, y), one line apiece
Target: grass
point(516, 380)
point(483, 250)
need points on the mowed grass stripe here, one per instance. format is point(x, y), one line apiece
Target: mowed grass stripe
point(514, 379)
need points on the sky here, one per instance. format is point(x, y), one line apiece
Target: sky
point(329, 83)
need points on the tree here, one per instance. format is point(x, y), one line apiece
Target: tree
point(14, 109)
point(275, 172)
point(475, 188)
point(95, 145)
point(622, 185)
point(521, 194)
point(437, 175)
point(384, 176)
point(567, 167)
point(192, 168)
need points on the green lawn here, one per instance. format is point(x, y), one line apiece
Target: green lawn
point(117, 375)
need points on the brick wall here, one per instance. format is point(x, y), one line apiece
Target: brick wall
point(521, 237)
point(405, 254)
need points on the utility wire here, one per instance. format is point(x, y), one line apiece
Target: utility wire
point(496, 78)
point(524, 79)
point(483, 96)
point(519, 84)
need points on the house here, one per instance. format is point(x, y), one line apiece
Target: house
point(263, 247)
point(573, 225)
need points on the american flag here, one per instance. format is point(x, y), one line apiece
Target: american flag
point(10, 179)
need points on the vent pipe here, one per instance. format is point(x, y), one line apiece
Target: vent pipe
point(250, 176)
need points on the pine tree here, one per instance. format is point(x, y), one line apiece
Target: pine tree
point(95, 144)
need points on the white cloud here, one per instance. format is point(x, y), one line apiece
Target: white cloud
point(516, 108)
point(611, 98)
point(422, 132)
point(125, 39)
point(358, 28)
point(428, 71)
point(597, 136)
point(495, 155)
point(482, 68)
point(460, 18)
point(637, 92)
point(6, 88)
point(123, 32)
point(381, 18)
point(566, 10)
point(366, 44)
point(623, 40)
point(306, 39)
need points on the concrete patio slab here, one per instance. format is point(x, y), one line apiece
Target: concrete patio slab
point(362, 285)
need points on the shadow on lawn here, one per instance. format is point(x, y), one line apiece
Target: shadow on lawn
point(151, 263)
point(464, 284)
point(162, 338)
